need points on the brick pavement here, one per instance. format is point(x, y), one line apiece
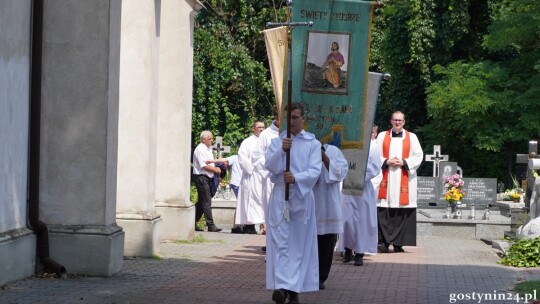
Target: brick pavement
point(231, 269)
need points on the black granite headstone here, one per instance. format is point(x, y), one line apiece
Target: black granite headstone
point(481, 191)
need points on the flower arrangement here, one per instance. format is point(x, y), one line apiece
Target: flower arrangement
point(515, 193)
point(453, 184)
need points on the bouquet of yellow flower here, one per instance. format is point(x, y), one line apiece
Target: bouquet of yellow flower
point(454, 195)
point(515, 193)
point(454, 188)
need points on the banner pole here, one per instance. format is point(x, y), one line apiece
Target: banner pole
point(289, 93)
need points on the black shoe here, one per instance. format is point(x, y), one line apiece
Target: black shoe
point(263, 248)
point(250, 229)
point(383, 248)
point(198, 229)
point(214, 229)
point(398, 249)
point(359, 259)
point(279, 296)
point(347, 257)
point(237, 229)
point(293, 298)
point(321, 285)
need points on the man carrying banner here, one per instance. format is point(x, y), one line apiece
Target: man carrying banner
point(291, 234)
point(401, 155)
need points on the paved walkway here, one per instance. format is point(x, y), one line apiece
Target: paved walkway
point(231, 269)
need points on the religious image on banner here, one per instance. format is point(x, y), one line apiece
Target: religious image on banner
point(325, 63)
point(330, 76)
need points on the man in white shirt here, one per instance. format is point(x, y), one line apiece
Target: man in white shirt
point(203, 176)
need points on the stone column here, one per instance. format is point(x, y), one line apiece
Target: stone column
point(79, 135)
point(174, 120)
point(17, 242)
point(139, 78)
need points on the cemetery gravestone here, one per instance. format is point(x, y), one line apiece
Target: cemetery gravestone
point(430, 190)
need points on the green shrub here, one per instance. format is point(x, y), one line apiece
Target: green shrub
point(523, 253)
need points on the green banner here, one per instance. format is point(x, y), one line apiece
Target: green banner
point(330, 69)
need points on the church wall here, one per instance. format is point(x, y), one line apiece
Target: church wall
point(139, 78)
point(17, 242)
point(79, 131)
point(138, 106)
point(174, 117)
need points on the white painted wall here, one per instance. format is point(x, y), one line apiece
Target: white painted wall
point(138, 106)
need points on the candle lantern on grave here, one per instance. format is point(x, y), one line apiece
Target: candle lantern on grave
point(473, 211)
point(486, 213)
point(458, 210)
point(448, 211)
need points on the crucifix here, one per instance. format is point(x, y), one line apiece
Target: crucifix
point(218, 147)
point(524, 159)
point(436, 158)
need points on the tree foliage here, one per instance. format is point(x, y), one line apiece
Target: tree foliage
point(490, 105)
point(231, 82)
point(465, 72)
point(420, 34)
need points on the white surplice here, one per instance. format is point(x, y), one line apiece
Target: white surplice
point(328, 192)
point(416, 155)
point(360, 212)
point(263, 142)
point(291, 246)
point(249, 208)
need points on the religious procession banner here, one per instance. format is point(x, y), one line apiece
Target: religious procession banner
point(276, 41)
point(330, 76)
point(330, 63)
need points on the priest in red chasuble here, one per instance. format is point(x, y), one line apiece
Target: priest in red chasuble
point(401, 156)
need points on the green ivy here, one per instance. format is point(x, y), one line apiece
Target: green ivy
point(523, 253)
point(232, 85)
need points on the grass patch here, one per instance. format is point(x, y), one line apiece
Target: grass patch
point(528, 287)
point(198, 239)
point(156, 257)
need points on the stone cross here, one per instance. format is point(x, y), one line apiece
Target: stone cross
point(524, 159)
point(218, 147)
point(436, 158)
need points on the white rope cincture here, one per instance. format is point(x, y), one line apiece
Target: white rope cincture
point(286, 215)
